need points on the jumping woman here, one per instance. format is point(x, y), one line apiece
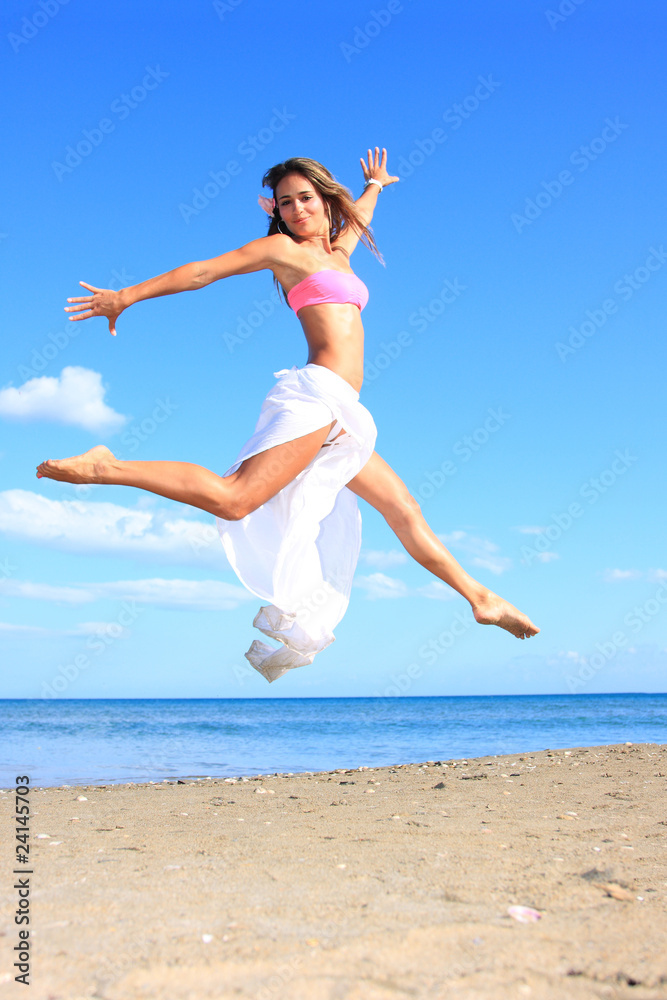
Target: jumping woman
point(287, 509)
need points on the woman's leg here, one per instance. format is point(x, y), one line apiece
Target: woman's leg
point(379, 485)
point(231, 497)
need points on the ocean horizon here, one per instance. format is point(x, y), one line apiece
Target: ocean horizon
point(122, 740)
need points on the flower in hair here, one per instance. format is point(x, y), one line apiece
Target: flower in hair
point(268, 204)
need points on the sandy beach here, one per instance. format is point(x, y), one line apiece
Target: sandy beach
point(364, 884)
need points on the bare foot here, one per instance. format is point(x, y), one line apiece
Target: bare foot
point(494, 610)
point(87, 468)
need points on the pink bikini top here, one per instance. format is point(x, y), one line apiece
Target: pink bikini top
point(328, 286)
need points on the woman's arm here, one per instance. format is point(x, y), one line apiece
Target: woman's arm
point(366, 202)
point(377, 170)
point(181, 279)
point(254, 256)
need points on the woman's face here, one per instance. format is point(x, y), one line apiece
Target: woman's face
point(301, 207)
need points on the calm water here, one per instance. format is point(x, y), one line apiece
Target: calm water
point(71, 741)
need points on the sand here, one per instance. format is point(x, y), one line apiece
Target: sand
point(369, 884)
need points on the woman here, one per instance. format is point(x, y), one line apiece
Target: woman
point(290, 528)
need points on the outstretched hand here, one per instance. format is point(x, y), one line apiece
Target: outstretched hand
point(103, 302)
point(377, 168)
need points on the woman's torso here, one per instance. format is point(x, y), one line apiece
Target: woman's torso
point(334, 331)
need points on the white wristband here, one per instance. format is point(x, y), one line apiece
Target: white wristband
point(371, 180)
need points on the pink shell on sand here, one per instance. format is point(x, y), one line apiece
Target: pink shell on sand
point(524, 914)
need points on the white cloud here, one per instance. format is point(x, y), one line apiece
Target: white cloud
point(8, 630)
point(75, 397)
point(378, 586)
point(201, 595)
point(437, 591)
point(383, 560)
point(479, 551)
point(613, 575)
point(92, 528)
point(44, 592)
point(113, 629)
point(546, 557)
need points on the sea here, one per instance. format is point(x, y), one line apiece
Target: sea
point(110, 741)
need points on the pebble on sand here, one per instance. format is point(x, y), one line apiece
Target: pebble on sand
point(524, 914)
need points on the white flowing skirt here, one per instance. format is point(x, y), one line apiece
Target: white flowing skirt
point(299, 550)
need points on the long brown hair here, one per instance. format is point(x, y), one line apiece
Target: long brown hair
point(337, 199)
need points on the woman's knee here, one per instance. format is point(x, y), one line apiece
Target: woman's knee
point(234, 506)
point(402, 511)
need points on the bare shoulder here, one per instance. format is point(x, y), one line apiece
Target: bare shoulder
point(280, 249)
point(266, 251)
point(289, 260)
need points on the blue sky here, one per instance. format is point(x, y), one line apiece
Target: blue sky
point(522, 408)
